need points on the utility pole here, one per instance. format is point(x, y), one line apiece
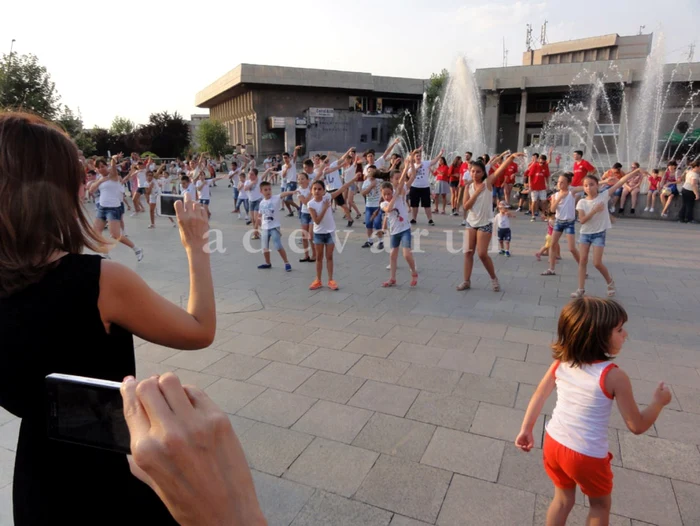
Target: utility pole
point(528, 37)
point(505, 53)
point(641, 28)
point(543, 34)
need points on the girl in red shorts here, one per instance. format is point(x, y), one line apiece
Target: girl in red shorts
point(590, 334)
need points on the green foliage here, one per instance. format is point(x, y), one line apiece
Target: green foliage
point(149, 154)
point(212, 137)
point(438, 81)
point(122, 126)
point(26, 85)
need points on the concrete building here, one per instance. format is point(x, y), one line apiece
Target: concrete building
point(194, 122)
point(270, 109)
point(518, 101)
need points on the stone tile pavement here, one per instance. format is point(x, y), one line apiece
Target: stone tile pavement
point(369, 406)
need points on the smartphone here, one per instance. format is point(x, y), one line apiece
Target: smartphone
point(165, 205)
point(87, 411)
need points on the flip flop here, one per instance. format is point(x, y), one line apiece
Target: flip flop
point(389, 283)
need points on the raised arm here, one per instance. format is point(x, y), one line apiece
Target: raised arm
point(296, 153)
point(622, 181)
point(388, 151)
point(502, 168)
point(346, 186)
point(435, 161)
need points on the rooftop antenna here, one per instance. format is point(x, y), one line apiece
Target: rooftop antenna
point(543, 34)
point(528, 37)
point(505, 53)
point(641, 28)
point(691, 52)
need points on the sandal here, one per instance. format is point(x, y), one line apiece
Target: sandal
point(578, 294)
point(548, 272)
point(611, 289)
point(464, 285)
point(495, 285)
point(389, 283)
point(414, 281)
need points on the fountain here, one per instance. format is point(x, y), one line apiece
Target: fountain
point(455, 121)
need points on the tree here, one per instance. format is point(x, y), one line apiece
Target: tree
point(212, 137)
point(73, 125)
point(170, 134)
point(438, 81)
point(122, 126)
point(26, 85)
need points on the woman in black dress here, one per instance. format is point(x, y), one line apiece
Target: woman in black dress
point(49, 289)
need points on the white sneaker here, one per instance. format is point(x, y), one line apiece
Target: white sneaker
point(239, 217)
point(133, 214)
point(646, 209)
point(139, 253)
point(388, 267)
point(464, 223)
point(651, 210)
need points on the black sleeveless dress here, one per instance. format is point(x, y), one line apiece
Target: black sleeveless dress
point(54, 326)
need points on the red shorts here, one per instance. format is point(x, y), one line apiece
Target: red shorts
point(567, 469)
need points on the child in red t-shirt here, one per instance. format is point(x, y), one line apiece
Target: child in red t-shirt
point(442, 185)
point(654, 180)
point(455, 175)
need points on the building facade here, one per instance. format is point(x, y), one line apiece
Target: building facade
point(269, 109)
point(195, 120)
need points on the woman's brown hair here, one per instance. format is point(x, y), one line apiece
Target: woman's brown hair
point(40, 209)
point(585, 328)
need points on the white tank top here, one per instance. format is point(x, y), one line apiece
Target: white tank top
point(481, 214)
point(580, 417)
point(566, 208)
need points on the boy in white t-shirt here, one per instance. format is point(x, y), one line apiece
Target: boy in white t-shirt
point(188, 187)
point(270, 218)
point(502, 222)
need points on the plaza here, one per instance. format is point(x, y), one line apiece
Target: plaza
point(372, 406)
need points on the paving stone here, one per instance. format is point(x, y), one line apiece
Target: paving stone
point(411, 335)
point(467, 362)
point(472, 455)
point(578, 514)
point(395, 318)
point(329, 386)
point(240, 425)
point(195, 378)
point(486, 389)
point(368, 328)
point(399, 437)
point(247, 344)
point(331, 360)
point(398, 520)
point(287, 352)
point(272, 449)
point(672, 374)
point(329, 339)
point(253, 327)
point(688, 498)
point(430, 378)
point(448, 340)
point(514, 334)
point(333, 421)
point(379, 369)
point(539, 354)
point(277, 408)
point(405, 487)
point(682, 427)
point(484, 329)
point(154, 353)
point(5, 416)
point(332, 466)
point(421, 354)
point(222, 336)
point(195, 360)
point(501, 422)
point(523, 372)
point(9, 433)
point(325, 508)
point(281, 376)
point(441, 325)
point(644, 393)
point(526, 471)
point(450, 411)
point(502, 348)
point(146, 369)
point(230, 396)
point(494, 505)
point(7, 465)
point(236, 366)
point(327, 307)
point(291, 332)
point(660, 457)
point(6, 505)
point(380, 348)
point(687, 397)
point(280, 500)
point(326, 321)
point(638, 496)
point(385, 398)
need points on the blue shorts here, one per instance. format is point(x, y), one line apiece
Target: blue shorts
point(485, 228)
point(291, 187)
point(568, 227)
point(121, 207)
point(141, 191)
point(204, 201)
point(402, 239)
point(375, 223)
point(274, 235)
point(254, 205)
point(324, 239)
point(109, 213)
point(597, 239)
point(504, 234)
point(618, 192)
point(235, 194)
point(305, 218)
point(497, 192)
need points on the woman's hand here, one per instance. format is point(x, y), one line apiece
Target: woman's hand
point(194, 224)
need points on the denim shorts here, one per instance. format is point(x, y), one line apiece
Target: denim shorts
point(109, 213)
point(291, 187)
point(485, 228)
point(235, 194)
point(204, 201)
point(274, 235)
point(497, 192)
point(568, 227)
point(141, 191)
point(305, 218)
point(324, 239)
point(375, 223)
point(402, 239)
point(597, 239)
point(254, 205)
point(504, 234)
point(618, 192)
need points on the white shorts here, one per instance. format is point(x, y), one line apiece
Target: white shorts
point(536, 195)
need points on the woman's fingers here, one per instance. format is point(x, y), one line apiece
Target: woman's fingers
point(134, 412)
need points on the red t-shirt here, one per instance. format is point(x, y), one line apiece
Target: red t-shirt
point(511, 172)
point(455, 174)
point(654, 182)
point(538, 175)
point(462, 170)
point(581, 168)
point(442, 173)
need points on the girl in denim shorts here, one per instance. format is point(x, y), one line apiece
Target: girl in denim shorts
point(564, 207)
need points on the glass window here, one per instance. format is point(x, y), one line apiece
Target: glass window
point(375, 136)
point(363, 137)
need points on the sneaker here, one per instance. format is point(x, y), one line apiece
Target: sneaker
point(332, 285)
point(501, 252)
point(350, 222)
point(287, 267)
point(367, 244)
point(139, 253)
point(520, 209)
point(388, 267)
point(380, 245)
point(464, 223)
point(651, 210)
point(646, 209)
point(248, 221)
point(413, 221)
point(507, 253)
point(431, 222)
point(316, 285)
point(632, 211)
point(265, 266)
point(528, 213)
point(533, 219)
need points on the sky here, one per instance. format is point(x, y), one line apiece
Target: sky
point(153, 56)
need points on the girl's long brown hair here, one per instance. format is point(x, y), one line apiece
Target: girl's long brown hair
point(40, 209)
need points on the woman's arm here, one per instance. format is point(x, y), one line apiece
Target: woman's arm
point(525, 440)
point(618, 384)
point(622, 181)
point(502, 168)
point(126, 300)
